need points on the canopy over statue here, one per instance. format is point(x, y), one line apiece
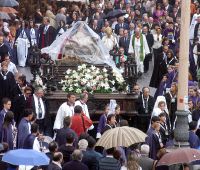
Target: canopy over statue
point(80, 42)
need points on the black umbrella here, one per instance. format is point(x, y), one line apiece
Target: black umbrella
point(115, 14)
point(8, 3)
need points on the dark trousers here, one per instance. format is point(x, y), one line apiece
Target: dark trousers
point(40, 122)
point(146, 62)
point(143, 122)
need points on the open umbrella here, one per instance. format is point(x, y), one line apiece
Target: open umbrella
point(9, 3)
point(25, 157)
point(4, 15)
point(179, 156)
point(115, 14)
point(8, 10)
point(121, 136)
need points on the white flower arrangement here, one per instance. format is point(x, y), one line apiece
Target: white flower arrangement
point(93, 80)
point(39, 82)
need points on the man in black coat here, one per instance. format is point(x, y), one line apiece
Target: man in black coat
point(76, 163)
point(56, 163)
point(144, 106)
point(150, 42)
point(61, 136)
point(7, 81)
point(47, 33)
point(125, 41)
point(108, 162)
point(21, 103)
point(90, 156)
point(196, 28)
point(40, 107)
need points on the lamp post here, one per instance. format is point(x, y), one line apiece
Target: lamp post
point(181, 131)
point(34, 62)
point(130, 72)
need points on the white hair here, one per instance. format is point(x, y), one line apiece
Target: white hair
point(145, 149)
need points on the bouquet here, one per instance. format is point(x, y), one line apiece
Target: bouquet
point(93, 80)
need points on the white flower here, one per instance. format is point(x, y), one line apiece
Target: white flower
point(71, 89)
point(113, 89)
point(93, 67)
point(104, 70)
point(78, 90)
point(84, 80)
point(83, 66)
point(68, 71)
point(113, 82)
point(76, 85)
point(63, 88)
point(88, 70)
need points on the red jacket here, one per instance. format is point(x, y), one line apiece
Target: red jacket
point(77, 123)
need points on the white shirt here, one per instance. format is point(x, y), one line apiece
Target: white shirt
point(36, 145)
point(84, 107)
point(157, 41)
point(12, 68)
point(37, 107)
point(63, 111)
point(85, 110)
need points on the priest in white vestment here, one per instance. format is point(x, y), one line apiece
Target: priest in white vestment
point(82, 102)
point(138, 45)
point(66, 109)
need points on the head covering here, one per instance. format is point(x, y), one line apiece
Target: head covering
point(156, 109)
point(82, 144)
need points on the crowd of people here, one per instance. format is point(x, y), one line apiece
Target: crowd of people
point(150, 30)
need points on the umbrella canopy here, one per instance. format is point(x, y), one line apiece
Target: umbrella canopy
point(121, 136)
point(8, 10)
point(25, 157)
point(178, 156)
point(115, 14)
point(9, 3)
point(4, 15)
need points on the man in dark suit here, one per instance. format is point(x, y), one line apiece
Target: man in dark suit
point(20, 103)
point(102, 32)
point(196, 28)
point(144, 105)
point(90, 156)
point(150, 42)
point(76, 163)
point(39, 106)
point(121, 24)
point(176, 13)
point(56, 163)
point(6, 107)
point(47, 34)
point(95, 26)
point(108, 162)
point(24, 127)
point(125, 41)
point(167, 6)
point(61, 135)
